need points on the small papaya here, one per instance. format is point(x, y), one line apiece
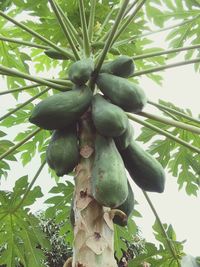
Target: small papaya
point(127, 95)
point(109, 181)
point(62, 154)
point(143, 168)
point(80, 71)
point(127, 207)
point(61, 110)
point(124, 140)
point(122, 66)
point(109, 119)
point(54, 54)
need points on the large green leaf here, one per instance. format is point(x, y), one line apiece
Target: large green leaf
point(20, 233)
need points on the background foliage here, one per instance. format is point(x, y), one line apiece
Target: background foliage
point(22, 237)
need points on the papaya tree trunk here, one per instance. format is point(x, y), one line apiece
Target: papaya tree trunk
point(93, 229)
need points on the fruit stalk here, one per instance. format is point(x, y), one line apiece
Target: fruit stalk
point(93, 230)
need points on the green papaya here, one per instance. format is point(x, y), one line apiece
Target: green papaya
point(52, 53)
point(61, 110)
point(143, 168)
point(124, 140)
point(122, 66)
point(127, 95)
point(127, 207)
point(63, 153)
point(80, 71)
point(109, 119)
point(109, 181)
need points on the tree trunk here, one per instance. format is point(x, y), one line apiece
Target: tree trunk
point(93, 229)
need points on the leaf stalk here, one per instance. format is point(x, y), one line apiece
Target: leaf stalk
point(169, 243)
point(163, 132)
point(174, 123)
point(86, 43)
point(23, 105)
point(12, 149)
point(164, 67)
point(64, 28)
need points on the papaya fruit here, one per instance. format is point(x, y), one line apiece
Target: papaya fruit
point(127, 207)
point(62, 154)
point(122, 66)
point(61, 110)
point(143, 168)
point(109, 181)
point(80, 71)
point(124, 140)
point(109, 119)
point(127, 95)
point(54, 54)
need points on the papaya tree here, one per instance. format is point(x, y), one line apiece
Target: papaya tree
point(80, 63)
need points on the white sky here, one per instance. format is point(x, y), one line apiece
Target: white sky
point(181, 87)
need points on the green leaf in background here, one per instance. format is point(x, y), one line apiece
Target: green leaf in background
point(59, 208)
point(20, 233)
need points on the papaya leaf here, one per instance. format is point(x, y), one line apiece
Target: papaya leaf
point(59, 208)
point(123, 235)
point(21, 237)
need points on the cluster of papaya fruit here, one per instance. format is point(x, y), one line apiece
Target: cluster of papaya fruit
point(115, 148)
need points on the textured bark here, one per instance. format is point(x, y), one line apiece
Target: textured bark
point(93, 229)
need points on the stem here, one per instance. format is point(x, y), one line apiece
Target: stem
point(162, 132)
point(23, 105)
point(12, 149)
point(111, 36)
point(180, 49)
point(91, 19)
point(174, 123)
point(125, 41)
point(169, 244)
point(160, 68)
point(60, 81)
point(14, 40)
point(99, 32)
point(37, 35)
point(65, 30)
point(128, 21)
point(31, 78)
point(86, 44)
point(30, 186)
point(159, 106)
point(73, 32)
point(20, 89)
point(130, 7)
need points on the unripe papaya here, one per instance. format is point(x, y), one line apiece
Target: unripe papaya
point(143, 168)
point(61, 110)
point(109, 181)
point(124, 140)
point(127, 207)
point(52, 53)
point(127, 95)
point(109, 119)
point(80, 71)
point(122, 66)
point(63, 153)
